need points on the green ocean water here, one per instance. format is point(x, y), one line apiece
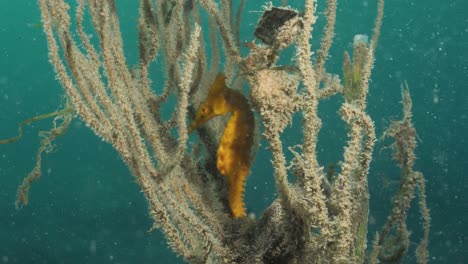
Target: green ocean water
point(87, 208)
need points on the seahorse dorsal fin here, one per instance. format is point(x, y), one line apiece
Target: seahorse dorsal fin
point(218, 85)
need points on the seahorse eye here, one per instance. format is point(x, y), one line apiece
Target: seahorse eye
point(204, 110)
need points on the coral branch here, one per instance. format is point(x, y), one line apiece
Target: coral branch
point(317, 217)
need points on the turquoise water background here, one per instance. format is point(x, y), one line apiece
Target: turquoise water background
point(88, 209)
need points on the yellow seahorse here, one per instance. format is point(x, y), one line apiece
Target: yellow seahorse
point(233, 158)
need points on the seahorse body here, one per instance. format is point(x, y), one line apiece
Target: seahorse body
point(233, 158)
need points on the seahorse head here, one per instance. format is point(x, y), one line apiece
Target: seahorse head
point(215, 103)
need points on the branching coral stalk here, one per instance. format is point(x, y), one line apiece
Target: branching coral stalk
point(327, 38)
point(393, 246)
point(312, 123)
point(367, 69)
point(315, 219)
